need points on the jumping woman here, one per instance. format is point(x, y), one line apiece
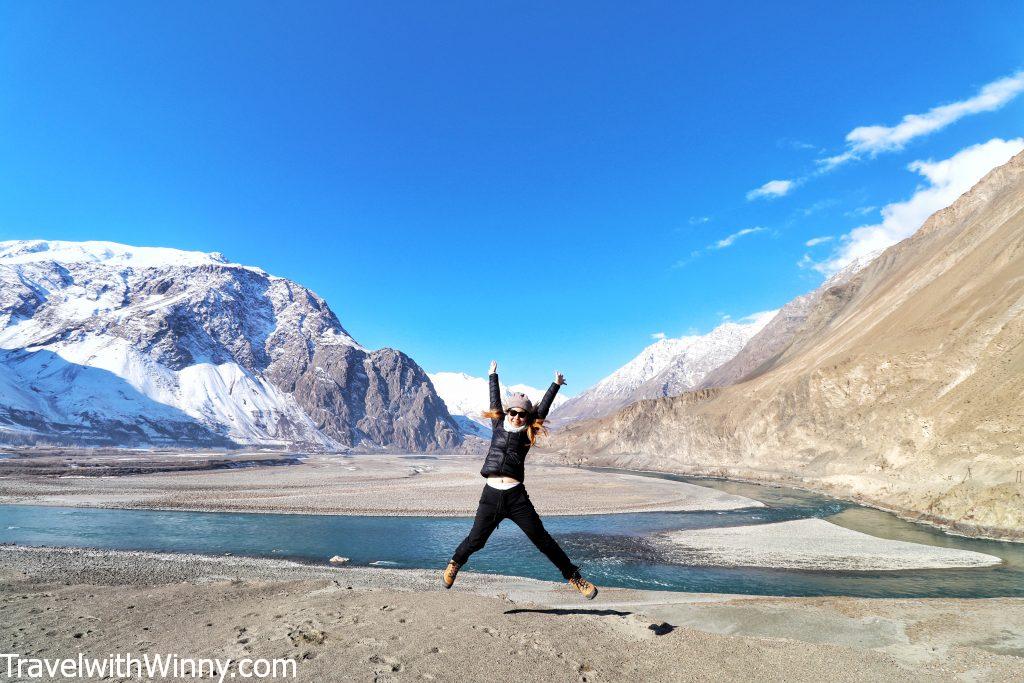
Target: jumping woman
point(513, 431)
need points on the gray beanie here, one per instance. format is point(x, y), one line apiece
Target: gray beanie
point(521, 401)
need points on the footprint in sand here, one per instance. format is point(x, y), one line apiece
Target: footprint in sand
point(386, 663)
point(371, 642)
point(242, 639)
point(587, 674)
point(306, 633)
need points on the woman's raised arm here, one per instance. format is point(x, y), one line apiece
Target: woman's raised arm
point(495, 390)
point(549, 396)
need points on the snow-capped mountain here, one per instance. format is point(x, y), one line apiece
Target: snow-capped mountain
point(114, 344)
point(665, 368)
point(467, 397)
point(786, 328)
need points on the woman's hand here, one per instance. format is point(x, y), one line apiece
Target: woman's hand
point(559, 378)
point(494, 367)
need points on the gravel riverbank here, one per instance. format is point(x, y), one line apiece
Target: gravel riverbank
point(384, 624)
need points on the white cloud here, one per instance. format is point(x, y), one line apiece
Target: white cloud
point(715, 246)
point(728, 241)
point(761, 318)
point(946, 180)
point(699, 220)
point(772, 189)
point(791, 143)
point(828, 163)
point(818, 240)
point(817, 206)
point(873, 140)
point(658, 335)
point(686, 261)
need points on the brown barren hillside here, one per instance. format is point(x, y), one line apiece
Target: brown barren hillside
point(904, 389)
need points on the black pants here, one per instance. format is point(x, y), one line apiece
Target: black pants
point(515, 504)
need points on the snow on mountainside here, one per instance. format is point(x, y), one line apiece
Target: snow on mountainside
point(665, 368)
point(113, 344)
point(467, 397)
point(110, 253)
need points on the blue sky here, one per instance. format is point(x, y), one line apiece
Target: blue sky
point(548, 186)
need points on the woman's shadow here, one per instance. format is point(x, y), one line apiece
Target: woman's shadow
point(659, 629)
point(574, 610)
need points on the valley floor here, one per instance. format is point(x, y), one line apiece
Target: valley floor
point(347, 485)
point(385, 624)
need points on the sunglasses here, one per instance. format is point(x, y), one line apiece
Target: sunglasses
point(517, 413)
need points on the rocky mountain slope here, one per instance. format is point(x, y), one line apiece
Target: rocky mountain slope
point(467, 398)
point(793, 324)
point(909, 393)
point(102, 343)
point(667, 367)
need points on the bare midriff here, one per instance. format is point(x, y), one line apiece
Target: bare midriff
point(503, 480)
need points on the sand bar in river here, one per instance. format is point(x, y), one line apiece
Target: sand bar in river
point(811, 544)
point(362, 485)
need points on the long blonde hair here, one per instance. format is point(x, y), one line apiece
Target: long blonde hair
point(534, 428)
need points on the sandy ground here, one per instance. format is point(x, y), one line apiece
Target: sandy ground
point(812, 544)
point(368, 624)
point(370, 485)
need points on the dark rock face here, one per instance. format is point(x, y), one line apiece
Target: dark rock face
point(381, 398)
point(399, 387)
point(243, 357)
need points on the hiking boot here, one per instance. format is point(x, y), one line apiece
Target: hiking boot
point(448, 578)
point(587, 589)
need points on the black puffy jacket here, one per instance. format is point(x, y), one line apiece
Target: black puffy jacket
point(507, 452)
